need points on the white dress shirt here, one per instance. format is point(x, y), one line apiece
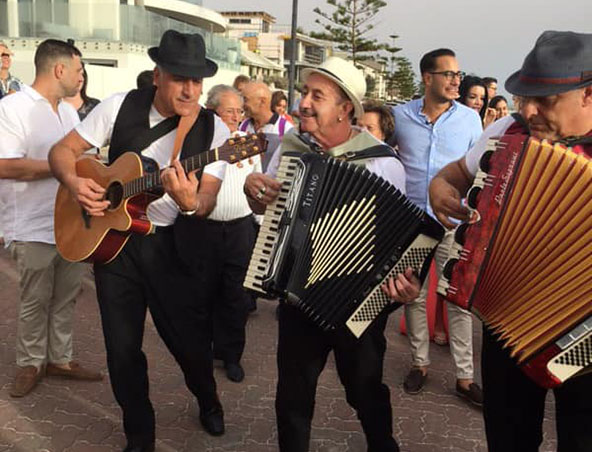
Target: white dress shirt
point(29, 128)
point(97, 129)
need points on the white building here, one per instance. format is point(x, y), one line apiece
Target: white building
point(113, 36)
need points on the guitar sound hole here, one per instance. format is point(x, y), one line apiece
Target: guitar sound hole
point(114, 195)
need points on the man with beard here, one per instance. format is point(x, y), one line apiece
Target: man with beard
point(32, 120)
point(431, 132)
point(555, 89)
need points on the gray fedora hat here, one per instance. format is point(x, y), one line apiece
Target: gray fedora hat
point(560, 61)
point(183, 54)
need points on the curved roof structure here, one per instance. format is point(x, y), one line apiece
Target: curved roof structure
point(189, 13)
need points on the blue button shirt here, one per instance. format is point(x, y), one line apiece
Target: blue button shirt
point(426, 148)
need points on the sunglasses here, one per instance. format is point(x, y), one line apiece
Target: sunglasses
point(6, 55)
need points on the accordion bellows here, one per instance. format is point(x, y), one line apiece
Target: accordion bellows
point(525, 266)
point(335, 233)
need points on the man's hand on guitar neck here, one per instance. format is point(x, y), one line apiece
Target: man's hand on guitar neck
point(180, 186)
point(89, 194)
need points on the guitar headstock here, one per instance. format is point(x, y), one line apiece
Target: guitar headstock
point(236, 149)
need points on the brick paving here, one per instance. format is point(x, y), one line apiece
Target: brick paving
point(68, 416)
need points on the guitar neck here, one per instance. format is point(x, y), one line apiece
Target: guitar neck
point(152, 180)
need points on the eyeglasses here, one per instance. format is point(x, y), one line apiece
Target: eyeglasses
point(450, 75)
point(6, 55)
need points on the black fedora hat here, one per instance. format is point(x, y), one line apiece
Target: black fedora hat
point(560, 61)
point(183, 54)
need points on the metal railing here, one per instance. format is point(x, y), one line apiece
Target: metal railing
point(106, 22)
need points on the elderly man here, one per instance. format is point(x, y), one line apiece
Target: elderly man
point(555, 88)
point(260, 118)
point(8, 83)
point(31, 121)
point(152, 272)
point(331, 98)
point(230, 235)
point(431, 132)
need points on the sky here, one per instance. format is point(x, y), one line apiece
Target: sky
point(490, 38)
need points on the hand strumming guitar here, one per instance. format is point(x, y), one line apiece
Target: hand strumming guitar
point(89, 194)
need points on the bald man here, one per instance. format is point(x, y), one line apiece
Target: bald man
point(260, 118)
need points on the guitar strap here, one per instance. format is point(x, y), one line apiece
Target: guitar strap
point(184, 126)
point(132, 131)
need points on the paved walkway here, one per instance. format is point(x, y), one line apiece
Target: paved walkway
point(84, 417)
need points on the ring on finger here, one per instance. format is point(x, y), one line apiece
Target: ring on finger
point(259, 196)
point(262, 190)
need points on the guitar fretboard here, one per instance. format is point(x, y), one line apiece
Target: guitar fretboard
point(152, 180)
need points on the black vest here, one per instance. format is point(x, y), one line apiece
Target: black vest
point(132, 132)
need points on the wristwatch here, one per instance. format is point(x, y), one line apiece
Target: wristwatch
point(190, 213)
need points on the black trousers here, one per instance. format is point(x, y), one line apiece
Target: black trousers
point(302, 353)
point(514, 406)
point(228, 245)
point(148, 274)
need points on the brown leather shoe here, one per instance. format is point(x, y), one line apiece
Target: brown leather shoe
point(74, 372)
point(25, 379)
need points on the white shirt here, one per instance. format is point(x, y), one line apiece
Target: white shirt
point(389, 168)
point(272, 133)
point(97, 129)
point(29, 128)
point(495, 130)
point(231, 202)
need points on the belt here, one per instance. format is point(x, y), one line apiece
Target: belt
point(162, 229)
point(229, 222)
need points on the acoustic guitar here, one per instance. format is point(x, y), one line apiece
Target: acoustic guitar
point(131, 182)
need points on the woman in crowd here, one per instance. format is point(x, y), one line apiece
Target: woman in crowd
point(473, 93)
point(279, 105)
point(500, 105)
point(378, 120)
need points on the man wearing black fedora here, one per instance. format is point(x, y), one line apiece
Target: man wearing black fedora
point(555, 89)
point(151, 271)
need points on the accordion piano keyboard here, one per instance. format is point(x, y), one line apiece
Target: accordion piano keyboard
point(265, 246)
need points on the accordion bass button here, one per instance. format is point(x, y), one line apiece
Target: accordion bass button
point(484, 162)
point(448, 268)
point(473, 197)
point(460, 233)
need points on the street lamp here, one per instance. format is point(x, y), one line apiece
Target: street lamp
point(292, 74)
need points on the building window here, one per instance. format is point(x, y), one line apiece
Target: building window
point(239, 21)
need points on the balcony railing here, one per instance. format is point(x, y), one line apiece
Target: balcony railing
point(107, 22)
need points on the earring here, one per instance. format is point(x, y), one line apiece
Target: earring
point(339, 119)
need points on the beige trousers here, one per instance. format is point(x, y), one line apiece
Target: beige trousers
point(459, 323)
point(49, 286)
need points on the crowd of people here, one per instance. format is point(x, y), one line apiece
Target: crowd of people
point(189, 271)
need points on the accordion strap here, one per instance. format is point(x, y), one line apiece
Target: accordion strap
point(378, 151)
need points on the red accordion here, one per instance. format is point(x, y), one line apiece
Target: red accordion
point(523, 265)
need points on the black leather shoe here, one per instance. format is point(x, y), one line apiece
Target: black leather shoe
point(213, 421)
point(145, 448)
point(234, 372)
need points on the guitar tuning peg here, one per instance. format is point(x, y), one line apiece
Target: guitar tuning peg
point(255, 148)
point(231, 142)
point(243, 140)
point(244, 153)
point(239, 164)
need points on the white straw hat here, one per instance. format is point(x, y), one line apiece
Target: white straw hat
point(346, 76)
